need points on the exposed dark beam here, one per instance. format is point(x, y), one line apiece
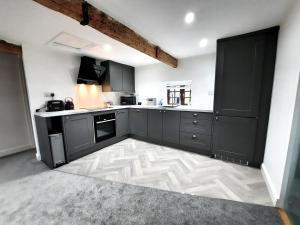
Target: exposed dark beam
point(110, 27)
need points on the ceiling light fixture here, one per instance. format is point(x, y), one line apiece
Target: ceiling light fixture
point(203, 43)
point(189, 17)
point(107, 47)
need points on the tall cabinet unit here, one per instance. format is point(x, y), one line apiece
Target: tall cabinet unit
point(243, 88)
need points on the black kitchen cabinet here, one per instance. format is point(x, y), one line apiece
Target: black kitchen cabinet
point(138, 122)
point(243, 89)
point(122, 117)
point(238, 76)
point(118, 77)
point(234, 138)
point(78, 135)
point(128, 79)
point(155, 124)
point(195, 131)
point(171, 126)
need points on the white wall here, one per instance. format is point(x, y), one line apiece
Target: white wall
point(283, 100)
point(48, 71)
point(200, 69)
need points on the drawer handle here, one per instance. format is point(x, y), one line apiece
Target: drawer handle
point(194, 136)
point(195, 122)
point(217, 118)
point(138, 110)
point(195, 114)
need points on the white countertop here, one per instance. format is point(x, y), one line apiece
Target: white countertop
point(80, 111)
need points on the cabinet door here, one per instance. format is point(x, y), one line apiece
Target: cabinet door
point(171, 126)
point(239, 74)
point(155, 124)
point(78, 133)
point(138, 122)
point(122, 118)
point(115, 76)
point(128, 79)
point(234, 138)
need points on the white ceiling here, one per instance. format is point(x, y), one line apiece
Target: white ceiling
point(160, 21)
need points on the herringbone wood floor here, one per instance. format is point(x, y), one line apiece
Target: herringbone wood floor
point(140, 163)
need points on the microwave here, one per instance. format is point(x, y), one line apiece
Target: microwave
point(128, 100)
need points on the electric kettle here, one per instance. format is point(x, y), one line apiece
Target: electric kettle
point(69, 105)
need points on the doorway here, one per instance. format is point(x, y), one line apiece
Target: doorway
point(16, 133)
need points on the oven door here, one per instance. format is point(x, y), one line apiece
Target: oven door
point(105, 129)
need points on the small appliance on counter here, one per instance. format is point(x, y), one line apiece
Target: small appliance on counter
point(151, 101)
point(69, 105)
point(128, 100)
point(55, 105)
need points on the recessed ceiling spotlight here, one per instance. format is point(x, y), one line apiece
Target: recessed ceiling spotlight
point(189, 17)
point(203, 43)
point(107, 47)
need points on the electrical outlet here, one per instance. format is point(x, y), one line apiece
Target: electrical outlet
point(211, 93)
point(49, 94)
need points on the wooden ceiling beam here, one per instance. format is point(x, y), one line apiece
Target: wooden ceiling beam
point(6, 47)
point(110, 27)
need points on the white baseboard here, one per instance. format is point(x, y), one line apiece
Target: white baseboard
point(38, 156)
point(273, 193)
point(10, 151)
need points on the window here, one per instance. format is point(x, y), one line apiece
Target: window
point(179, 93)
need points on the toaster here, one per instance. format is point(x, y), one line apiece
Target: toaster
point(55, 105)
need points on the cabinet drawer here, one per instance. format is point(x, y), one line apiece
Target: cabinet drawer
point(196, 125)
point(196, 115)
point(195, 140)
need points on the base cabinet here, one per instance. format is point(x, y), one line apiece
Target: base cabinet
point(78, 135)
point(138, 122)
point(155, 124)
point(171, 126)
point(234, 138)
point(195, 131)
point(122, 125)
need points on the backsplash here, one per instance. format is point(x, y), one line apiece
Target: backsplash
point(92, 96)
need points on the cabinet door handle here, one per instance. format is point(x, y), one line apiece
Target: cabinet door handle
point(195, 122)
point(138, 110)
point(195, 114)
point(217, 112)
point(217, 118)
point(194, 136)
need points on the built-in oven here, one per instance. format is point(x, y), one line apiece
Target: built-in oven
point(105, 126)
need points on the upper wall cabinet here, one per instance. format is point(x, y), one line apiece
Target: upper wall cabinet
point(118, 77)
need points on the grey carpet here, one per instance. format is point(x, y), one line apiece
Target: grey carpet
point(20, 165)
point(58, 198)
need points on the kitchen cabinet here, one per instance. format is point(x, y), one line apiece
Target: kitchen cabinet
point(118, 77)
point(78, 134)
point(138, 122)
point(122, 117)
point(128, 79)
point(234, 138)
point(243, 89)
point(171, 126)
point(238, 76)
point(155, 124)
point(195, 131)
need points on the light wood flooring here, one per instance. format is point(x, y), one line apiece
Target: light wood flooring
point(140, 163)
